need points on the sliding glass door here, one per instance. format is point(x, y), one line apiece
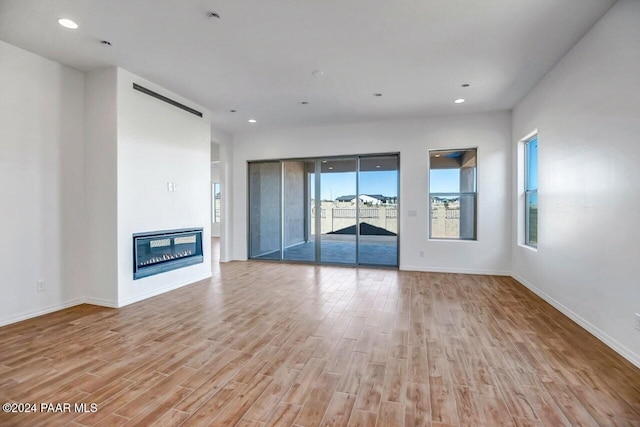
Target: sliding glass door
point(345, 214)
point(265, 210)
point(338, 187)
point(298, 194)
point(378, 210)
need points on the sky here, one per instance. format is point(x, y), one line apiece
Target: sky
point(444, 180)
point(532, 170)
point(334, 185)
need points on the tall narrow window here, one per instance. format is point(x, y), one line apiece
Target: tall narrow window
point(531, 191)
point(452, 190)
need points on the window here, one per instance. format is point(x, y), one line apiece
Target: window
point(215, 199)
point(531, 191)
point(453, 196)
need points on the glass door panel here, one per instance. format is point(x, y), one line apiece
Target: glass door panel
point(378, 210)
point(299, 201)
point(338, 189)
point(265, 210)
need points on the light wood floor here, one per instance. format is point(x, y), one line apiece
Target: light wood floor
point(266, 344)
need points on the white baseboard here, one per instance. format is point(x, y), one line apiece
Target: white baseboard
point(453, 270)
point(585, 324)
point(156, 292)
point(39, 312)
point(101, 302)
point(96, 301)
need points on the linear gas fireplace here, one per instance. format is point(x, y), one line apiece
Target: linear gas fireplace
point(159, 251)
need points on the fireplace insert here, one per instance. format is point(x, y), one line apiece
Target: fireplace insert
point(159, 251)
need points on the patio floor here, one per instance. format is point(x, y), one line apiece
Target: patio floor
point(374, 250)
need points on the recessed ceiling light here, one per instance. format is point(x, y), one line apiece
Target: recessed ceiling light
point(378, 166)
point(252, 120)
point(466, 85)
point(324, 161)
point(377, 94)
point(304, 102)
point(437, 155)
point(232, 111)
point(330, 167)
point(67, 23)
point(459, 101)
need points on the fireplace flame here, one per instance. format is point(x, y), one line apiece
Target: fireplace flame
point(166, 257)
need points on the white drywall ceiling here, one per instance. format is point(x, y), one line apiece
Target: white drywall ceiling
point(258, 58)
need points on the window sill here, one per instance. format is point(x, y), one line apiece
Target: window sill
point(529, 248)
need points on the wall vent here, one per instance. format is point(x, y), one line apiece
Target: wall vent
point(167, 100)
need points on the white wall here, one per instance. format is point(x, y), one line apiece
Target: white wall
point(85, 164)
point(224, 142)
point(101, 186)
point(490, 132)
point(587, 112)
point(159, 143)
point(42, 198)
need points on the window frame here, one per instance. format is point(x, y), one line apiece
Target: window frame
point(528, 192)
point(431, 195)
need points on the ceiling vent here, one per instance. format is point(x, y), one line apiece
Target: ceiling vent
point(167, 100)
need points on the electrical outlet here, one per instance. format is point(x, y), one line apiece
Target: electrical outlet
point(40, 286)
point(421, 253)
point(638, 321)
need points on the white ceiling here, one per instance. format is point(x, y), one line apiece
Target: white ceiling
point(258, 58)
